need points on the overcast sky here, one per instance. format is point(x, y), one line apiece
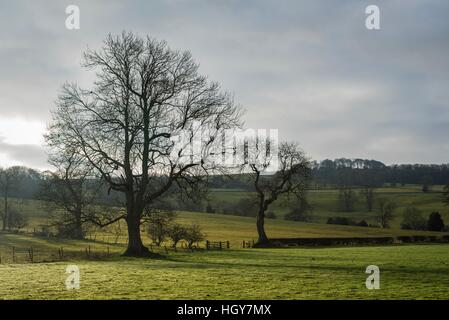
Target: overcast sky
point(309, 68)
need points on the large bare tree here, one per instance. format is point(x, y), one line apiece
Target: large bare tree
point(145, 94)
point(290, 179)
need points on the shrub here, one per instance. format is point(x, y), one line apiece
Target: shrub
point(363, 223)
point(176, 233)
point(194, 234)
point(435, 222)
point(341, 221)
point(69, 231)
point(16, 219)
point(158, 226)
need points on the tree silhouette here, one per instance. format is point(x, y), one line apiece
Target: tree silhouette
point(144, 96)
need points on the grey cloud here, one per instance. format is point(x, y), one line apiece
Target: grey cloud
point(309, 68)
point(29, 155)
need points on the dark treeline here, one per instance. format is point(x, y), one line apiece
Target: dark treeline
point(27, 183)
point(326, 174)
point(360, 172)
point(357, 172)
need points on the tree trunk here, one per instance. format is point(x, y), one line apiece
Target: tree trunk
point(263, 239)
point(135, 245)
point(5, 215)
point(78, 232)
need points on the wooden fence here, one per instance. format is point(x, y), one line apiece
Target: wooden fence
point(217, 245)
point(31, 255)
point(247, 244)
point(16, 254)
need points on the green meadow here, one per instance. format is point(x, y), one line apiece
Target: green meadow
point(418, 271)
point(406, 272)
point(325, 202)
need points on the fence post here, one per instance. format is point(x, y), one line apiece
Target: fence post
point(220, 245)
point(227, 245)
point(13, 255)
point(207, 244)
point(243, 244)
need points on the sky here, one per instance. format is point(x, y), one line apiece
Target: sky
point(308, 68)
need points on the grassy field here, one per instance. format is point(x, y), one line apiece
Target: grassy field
point(407, 271)
point(235, 229)
point(325, 202)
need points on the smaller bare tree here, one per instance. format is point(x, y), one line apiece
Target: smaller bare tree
point(158, 225)
point(9, 179)
point(290, 179)
point(70, 193)
point(176, 233)
point(16, 219)
point(193, 235)
point(386, 212)
point(116, 230)
point(369, 195)
point(347, 198)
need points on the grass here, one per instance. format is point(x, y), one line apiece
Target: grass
point(324, 202)
point(407, 271)
point(216, 227)
point(324, 273)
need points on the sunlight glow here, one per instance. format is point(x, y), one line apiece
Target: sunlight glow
point(18, 131)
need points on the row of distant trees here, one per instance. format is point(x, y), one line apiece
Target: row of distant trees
point(360, 173)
